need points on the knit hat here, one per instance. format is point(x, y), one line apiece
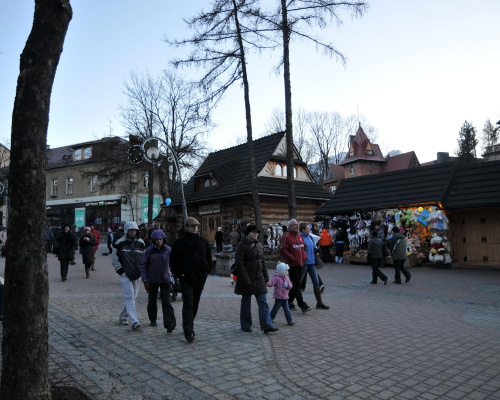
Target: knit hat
point(282, 268)
point(87, 228)
point(251, 228)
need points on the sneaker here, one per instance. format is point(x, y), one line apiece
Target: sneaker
point(136, 325)
point(246, 330)
point(123, 322)
point(305, 308)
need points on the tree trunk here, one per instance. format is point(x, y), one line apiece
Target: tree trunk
point(25, 327)
point(292, 205)
point(251, 152)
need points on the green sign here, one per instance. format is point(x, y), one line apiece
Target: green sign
point(156, 208)
point(79, 217)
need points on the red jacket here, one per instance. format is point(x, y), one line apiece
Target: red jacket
point(293, 249)
point(97, 236)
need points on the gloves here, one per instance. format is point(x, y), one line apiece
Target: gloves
point(147, 287)
point(285, 285)
point(120, 271)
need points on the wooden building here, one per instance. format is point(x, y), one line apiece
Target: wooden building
point(469, 194)
point(219, 193)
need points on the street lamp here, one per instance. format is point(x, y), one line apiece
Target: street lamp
point(137, 153)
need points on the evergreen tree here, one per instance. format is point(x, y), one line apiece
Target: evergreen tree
point(467, 143)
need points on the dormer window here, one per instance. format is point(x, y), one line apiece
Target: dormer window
point(369, 150)
point(206, 182)
point(351, 154)
point(82, 153)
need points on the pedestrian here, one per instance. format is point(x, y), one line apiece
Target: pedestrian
point(87, 243)
point(97, 236)
point(282, 285)
point(219, 239)
point(49, 239)
point(155, 274)
point(234, 237)
point(251, 280)
point(75, 232)
point(127, 261)
point(66, 243)
point(340, 239)
point(325, 244)
point(120, 233)
point(191, 262)
point(109, 241)
point(294, 253)
point(376, 251)
point(310, 264)
point(398, 254)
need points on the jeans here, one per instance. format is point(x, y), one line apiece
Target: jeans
point(278, 303)
point(246, 312)
point(313, 273)
point(399, 266)
point(168, 311)
point(191, 294)
point(130, 290)
point(295, 293)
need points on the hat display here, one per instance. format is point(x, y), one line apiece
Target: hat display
point(191, 221)
point(251, 228)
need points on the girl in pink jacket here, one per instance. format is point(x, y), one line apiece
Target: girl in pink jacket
point(282, 285)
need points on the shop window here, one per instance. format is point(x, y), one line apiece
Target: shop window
point(69, 186)
point(53, 188)
point(146, 179)
point(94, 184)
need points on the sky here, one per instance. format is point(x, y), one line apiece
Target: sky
point(415, 70)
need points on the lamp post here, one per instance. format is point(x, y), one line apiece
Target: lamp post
point(137, 153)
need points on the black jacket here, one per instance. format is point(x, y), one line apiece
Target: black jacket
point(87, 248)
point(67, 244)
point(252, 271)
point(191, 256)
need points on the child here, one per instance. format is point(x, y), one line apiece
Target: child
point(282, 285)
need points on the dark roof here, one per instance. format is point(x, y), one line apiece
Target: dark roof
point(61, 157)
point(231, 169)
point(359, 143)
point(450, 184)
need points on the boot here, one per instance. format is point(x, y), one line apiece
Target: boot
point(319, 302)
point(87, 272)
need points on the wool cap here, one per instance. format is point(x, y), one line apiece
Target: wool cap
point(191, 221)
point(251, 228)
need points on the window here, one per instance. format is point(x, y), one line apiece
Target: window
point(83, 153)
point(69, 186)
point(78, 154)
point(87, 152)
point(351, 153)
point(94, 184)
point(279, 170)
point(369, 152)
point(112, 185)
point(351, 169)
point(206, 182)
point(146, 179)
point(53, 188)
point(333, 188)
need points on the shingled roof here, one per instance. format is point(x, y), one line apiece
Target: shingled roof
point(358, 145)
point(452, 185)
point(231, 169)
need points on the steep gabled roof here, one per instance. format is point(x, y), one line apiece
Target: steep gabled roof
point(449, 184)
point(401, 161)
point(231, 169)
point(358, 144)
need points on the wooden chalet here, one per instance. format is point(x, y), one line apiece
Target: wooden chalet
point(469, 195)
point(219, 193)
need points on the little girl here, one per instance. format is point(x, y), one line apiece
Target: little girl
point(282, 285)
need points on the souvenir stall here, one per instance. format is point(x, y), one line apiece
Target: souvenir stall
point(425, 228)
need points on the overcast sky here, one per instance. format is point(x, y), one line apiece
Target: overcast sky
point(416, 70)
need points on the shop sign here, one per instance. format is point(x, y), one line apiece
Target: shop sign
point(156, 208)
point(101, 203)
point(79, 217)
point(209, 209)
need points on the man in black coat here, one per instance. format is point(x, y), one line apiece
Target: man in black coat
point(190, 262)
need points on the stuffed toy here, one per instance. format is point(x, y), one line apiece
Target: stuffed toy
point(431, 217)
point(398, 216)
point(442, 220)
point(408, 215)
point(389, 216)
point(415, 215)
point(353, 240)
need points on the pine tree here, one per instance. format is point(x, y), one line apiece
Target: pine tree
point(467, 143)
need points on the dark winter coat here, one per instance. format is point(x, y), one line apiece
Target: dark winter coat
point(376, 249)
point(219, 237)
point(398, 246)
point(155, 266)
point(87, 248)
point(191, 256)
point(251, 268)
point(66, 245)
point(128, 257)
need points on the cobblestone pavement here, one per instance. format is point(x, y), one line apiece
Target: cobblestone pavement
point(437, 337)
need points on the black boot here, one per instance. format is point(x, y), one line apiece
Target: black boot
point(319, 302)
point(87, 272)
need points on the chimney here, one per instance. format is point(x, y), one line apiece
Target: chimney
point(443, 157)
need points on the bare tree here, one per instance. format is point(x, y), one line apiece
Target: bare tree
point(25, 327)
point(490, 134)
point(296, 18)
point(222, 37)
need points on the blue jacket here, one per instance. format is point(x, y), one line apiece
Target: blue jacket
point(310, 249)
point(155, 266)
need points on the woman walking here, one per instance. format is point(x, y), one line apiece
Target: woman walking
point(66, 250)
point(252, 278)
point(87, 243)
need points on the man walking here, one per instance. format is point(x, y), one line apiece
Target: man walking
point(127, 261)
point(190, 262)
point(398, 253)
point(294, 253)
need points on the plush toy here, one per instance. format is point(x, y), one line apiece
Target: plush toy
point(431, 217)
point(442, 220)
point(389, 216)
point(415, 215)
point(407, 216)
point(398, 216)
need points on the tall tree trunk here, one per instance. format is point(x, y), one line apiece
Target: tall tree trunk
point(251, 152)
point(292, 206)
point(25, 328)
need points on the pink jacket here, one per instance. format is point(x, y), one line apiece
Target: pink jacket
point(279, 291)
